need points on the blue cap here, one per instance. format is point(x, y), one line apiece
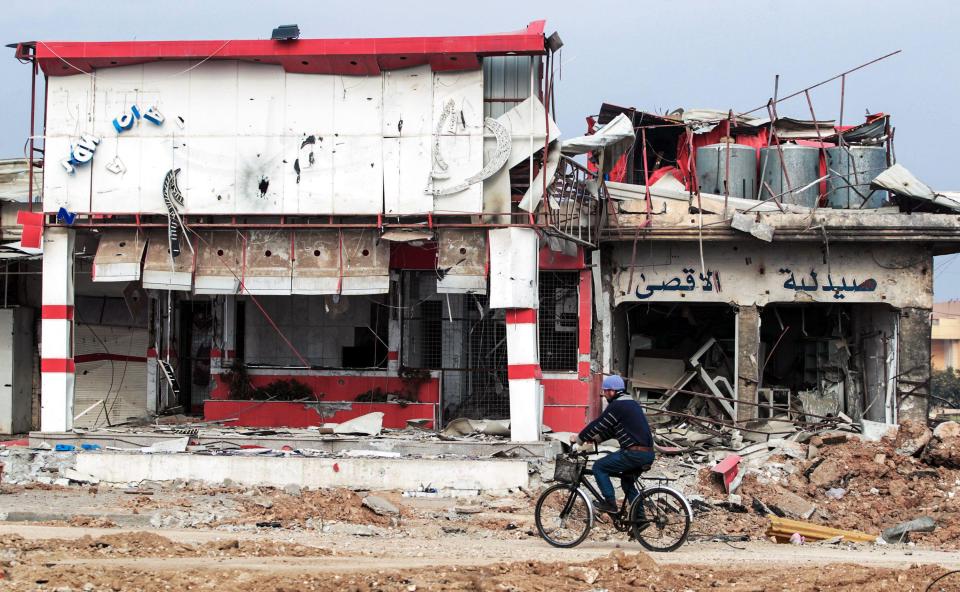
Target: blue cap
point(613, 382)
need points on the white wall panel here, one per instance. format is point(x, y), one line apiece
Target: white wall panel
point(358, 175)
point(245, 123)
point(466, 91)
point(213, 100)
point(406, 171)
point(60, 188)
point(313, 192)
point(464, 157)
point(407, 102)
point(260, 166)
point(261, 99)
point(208, 181)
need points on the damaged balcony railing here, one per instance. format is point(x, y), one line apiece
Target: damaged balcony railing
point(576, 199)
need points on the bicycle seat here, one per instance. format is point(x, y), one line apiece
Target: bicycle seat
point(636, 472)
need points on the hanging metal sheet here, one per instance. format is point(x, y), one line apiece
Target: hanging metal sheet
point(462, 261)
point(219, 263)
point(513, 268)
point(119, 255)
point(163, 272)
point(267, 265)
point(316, 261)
point(366, 263)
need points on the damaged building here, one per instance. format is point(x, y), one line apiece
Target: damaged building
point(291, 232)
point(297, 232)
point(756, 268)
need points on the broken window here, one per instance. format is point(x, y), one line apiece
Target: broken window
point(558, 320)
point(327, 331)
point(824, 359)
point(669, 352)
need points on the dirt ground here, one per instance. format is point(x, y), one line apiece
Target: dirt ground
point(189, 536)
point(476, 543)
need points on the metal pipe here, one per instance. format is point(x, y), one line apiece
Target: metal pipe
point(831, 79)
point(33, 111)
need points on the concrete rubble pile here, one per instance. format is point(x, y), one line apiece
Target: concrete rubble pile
point(901, 486)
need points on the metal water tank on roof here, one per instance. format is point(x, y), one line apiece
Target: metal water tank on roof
point(801, 167)
point(712, 164)
point(851, 170)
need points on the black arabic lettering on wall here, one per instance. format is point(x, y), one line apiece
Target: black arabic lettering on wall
point(689, 280)
point(867, 285)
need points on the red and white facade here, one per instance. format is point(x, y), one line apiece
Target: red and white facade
point(342, 213)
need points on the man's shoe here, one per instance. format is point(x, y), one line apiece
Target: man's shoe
point(608, 506)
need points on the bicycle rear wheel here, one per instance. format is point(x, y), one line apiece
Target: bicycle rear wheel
point(563, 516)
point(659, 519)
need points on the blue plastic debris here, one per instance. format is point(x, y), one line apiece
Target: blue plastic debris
point(64, 447)
point(90, 446)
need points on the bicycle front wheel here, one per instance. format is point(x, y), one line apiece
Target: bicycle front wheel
point(563, 516)
point(659, 519)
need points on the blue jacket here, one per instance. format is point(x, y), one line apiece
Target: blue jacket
point(624, 420)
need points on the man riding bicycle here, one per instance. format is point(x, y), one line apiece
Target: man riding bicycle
point(624, 420)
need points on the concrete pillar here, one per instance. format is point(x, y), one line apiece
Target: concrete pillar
point(57, 372)
point(514, 269)
point(394, 330)
point(523, 375)
point(748, 363)
point(913, 374)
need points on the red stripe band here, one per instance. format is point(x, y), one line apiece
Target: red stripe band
point(523, 371)
point(100, 357)
point(392, 355)
point(518, 316)
point(56, 312)
point(57, 365)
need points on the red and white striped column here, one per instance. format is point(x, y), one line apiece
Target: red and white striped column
point(523, 375)
point(57, 372)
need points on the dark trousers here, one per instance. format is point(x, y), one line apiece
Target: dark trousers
point(621, 461)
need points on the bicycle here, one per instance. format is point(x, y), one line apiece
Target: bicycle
point(658, 518)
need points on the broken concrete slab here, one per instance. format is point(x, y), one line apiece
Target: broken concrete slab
point(171, 445)
point(791, 504)
point(900, 532)
point(912, 437)
point(78, 477)
point(874, 431)
point(380, 506)
point(370, 424)
point(827, 474)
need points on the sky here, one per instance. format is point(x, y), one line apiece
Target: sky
point(652, 55)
